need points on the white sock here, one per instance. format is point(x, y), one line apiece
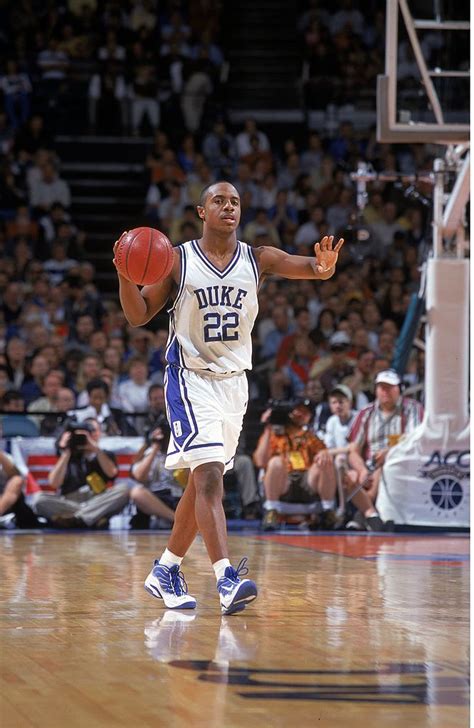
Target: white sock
point(220, 567)
point(327, 505)
point(169, 559)
point(270, 505)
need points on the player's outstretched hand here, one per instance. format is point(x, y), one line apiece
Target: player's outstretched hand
point(326, 256)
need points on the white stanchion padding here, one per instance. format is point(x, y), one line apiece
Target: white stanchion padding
point(426, 477)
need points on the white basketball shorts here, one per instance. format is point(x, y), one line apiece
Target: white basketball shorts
point(205, 414)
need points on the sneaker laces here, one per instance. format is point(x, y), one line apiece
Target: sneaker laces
point(176, 583)
point(241, 570)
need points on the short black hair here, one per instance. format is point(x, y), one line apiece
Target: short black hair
point(98, 384)
point(205, 191)
point(152, 388)
point(204, 194)
point(12, 395)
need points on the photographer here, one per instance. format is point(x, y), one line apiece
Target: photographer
point(80, 478)
point(298, 467)
point(149, 470)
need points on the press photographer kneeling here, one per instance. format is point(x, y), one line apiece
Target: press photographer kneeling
point(81, 477)
point(298, 467)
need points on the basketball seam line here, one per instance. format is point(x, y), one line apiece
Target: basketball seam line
point(126, 257)
point(148, 256)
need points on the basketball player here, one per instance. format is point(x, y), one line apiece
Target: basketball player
point(213, 289)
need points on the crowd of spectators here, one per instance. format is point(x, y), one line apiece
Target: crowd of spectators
point(65, 348)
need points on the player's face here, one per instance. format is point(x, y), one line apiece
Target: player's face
point(222, 208)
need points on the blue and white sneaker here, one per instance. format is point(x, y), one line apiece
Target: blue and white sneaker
point(168, 584)
point(236, 593)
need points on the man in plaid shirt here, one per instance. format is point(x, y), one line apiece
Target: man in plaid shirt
point(376, 429)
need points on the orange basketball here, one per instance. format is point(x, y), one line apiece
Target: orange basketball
point(144, 256)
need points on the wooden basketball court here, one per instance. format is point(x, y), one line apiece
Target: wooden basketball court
point(357, 630)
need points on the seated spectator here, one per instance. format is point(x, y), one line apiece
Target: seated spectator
point(297, 468)
point(49, 188)
point(89, 369)
point(12, 306)
point(219, 150)
point(32, 137)
point(22, 225)
point(262, 226)
point(15, 354)
point(334, 368)
point(310, 232)
point(302, 327)
point(281, 329)
point(59, 265)
point(376, 429)
point(80, 478)
point(33, 385)
point(155, 409)
point(134, 390)
point(49, 224)
point(149, 469)
point(16, 87)
point(243, 140)
point(110, 419)
point(335, 436)
point(13, 509)
point(314, 392)
point(47, 402)
point(52, 425)
point(80, 334)
point(14, 423)
point(5, 383)
point(361, 381)
point(290, 377)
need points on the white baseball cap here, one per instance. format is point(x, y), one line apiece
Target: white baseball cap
point(339, 338)
point(388, 376)
point(342, 389)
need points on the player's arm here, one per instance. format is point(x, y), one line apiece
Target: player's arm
point(140, 305)
point(272, 261)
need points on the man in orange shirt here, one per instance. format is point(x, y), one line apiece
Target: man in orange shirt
point(298, 467)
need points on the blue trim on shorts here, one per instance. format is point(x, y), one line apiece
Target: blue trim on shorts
point(193, 417)
point(176, 408)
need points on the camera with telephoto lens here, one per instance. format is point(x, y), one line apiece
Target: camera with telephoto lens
point(78, 430)
point(162, 423)
point(281, 410)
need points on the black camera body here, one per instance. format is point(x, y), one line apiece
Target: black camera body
point(280, 411)
point(282, 408)
point(78, 439)
point(162, 423)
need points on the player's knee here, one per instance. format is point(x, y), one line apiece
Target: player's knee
point(208, 480)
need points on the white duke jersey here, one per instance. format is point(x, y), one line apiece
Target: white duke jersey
point(213, 314)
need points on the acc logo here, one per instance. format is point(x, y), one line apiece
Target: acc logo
point(447, 471)
point(177, 429)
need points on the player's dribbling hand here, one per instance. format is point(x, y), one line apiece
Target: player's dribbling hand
point(326, 256)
